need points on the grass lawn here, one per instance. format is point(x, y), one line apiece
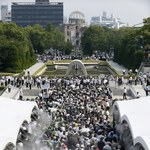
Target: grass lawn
point(40, 69)
point(84, 61)
point(51, 62)
point(6, 74)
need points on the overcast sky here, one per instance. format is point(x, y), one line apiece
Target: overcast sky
point(129, 11)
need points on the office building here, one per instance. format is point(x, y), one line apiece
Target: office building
point(107, 21)
point(5, 14)
point(41, 12)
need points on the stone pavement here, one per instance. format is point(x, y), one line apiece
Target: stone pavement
point(14, 90)
point(12, 94)
point(118, 90)
point(133, 88)
point(34, 68)
point(117, 67)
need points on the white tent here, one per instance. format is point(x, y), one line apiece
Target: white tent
point(140, 105)
point(138, 124)
point(144, 141)
point(135, 113)
point(12, 114)
point(4, 141)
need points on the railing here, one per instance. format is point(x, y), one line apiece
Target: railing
point(132, 92)
point(3, 90)
point(16, 96)
point(143, 64)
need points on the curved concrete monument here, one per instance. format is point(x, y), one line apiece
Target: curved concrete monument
point(77, 63)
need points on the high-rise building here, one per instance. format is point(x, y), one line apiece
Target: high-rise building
point(4, 11)
point(41, 12)
point(107, 21)
point(5, 14)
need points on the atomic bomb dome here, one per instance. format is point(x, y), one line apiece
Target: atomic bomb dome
point(77, 17)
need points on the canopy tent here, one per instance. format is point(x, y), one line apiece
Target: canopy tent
point(17, 108)
point(134, 106)
point(138, 124)
point(9, 129)
point(4, 141)
point(144, 141)
point(135, 113)
point(12, 114)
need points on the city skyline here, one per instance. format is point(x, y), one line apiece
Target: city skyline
point(129, 11)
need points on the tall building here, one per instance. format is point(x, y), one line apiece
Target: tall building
point(5, 14)
point(41, 12)
point(107, 21)
point(75, 28)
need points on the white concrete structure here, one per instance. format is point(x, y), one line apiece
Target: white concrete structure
point(133, 114)
point(5, 14)
point(106, 21)
point(13, 114)
point(79, 64)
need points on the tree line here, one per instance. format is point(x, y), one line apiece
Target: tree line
point(128, 43)
point(18, 45)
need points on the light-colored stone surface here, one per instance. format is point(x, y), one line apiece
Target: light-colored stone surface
point(34, 68)
point(10, 94)
point(117, 67)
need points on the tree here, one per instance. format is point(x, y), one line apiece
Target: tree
point(16, 51)
point(96, 38)
point(37, 36)
point(68, 48)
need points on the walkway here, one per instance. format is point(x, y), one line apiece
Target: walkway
point(134, 88)
point(117, 67)
point(14, 90)
point(12, 94)
point(34, 68)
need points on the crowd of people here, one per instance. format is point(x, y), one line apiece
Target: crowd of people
point(79, 113)
point(74, 112)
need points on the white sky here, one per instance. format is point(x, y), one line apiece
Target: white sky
point(130, 11)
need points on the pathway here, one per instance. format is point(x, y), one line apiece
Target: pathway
point(14, 90)
point(134, 88)
point(34, 68)
point(117, 67)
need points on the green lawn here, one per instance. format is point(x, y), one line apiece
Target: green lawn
point(84, 61)
point(51, 62)
point(40, 69)
point(6, 74)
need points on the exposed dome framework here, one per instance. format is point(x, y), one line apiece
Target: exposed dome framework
point(77, 15)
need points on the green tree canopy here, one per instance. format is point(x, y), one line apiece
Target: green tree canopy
point(16, 52)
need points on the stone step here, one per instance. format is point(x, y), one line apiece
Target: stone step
point(32, 92)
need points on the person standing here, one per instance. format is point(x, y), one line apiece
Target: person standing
point(137, 95)
point(9, 87)
point(124, 93)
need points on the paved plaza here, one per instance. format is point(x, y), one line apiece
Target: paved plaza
point(117, 90)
